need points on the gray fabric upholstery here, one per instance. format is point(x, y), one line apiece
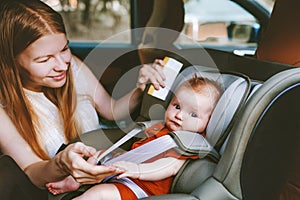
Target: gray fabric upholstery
point(192, 175)
point(228, 169)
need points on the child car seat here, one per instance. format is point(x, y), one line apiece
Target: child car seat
point(262, 147)
point(236, 90)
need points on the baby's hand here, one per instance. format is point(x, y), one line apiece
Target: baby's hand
point(130, 169)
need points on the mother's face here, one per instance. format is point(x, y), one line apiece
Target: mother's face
point(45, 62)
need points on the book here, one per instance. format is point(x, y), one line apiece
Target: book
point(171, 70)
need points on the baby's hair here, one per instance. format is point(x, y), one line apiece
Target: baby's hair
point(205, 86)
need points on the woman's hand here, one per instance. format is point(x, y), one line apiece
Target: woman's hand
point(151, 73)
point(71, 161)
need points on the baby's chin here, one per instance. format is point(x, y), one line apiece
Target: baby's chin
point(173, 127)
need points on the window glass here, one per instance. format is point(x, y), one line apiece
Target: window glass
point(219, 22)
point(95, 20)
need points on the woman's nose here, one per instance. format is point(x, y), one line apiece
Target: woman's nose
point(60, 64)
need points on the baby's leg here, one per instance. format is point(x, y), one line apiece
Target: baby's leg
point(101, 191)
point(66, 185)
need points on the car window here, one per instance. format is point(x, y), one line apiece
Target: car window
point(213, 23)
point(219, 22)
point(95, 20)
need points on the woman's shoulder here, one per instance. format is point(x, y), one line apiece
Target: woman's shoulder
point(79, 75)
point(75, 63)
point(78, 66)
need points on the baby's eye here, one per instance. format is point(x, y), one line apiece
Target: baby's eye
point(194, 115)
point(176, 106)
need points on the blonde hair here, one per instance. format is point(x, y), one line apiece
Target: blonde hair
point(22, 23)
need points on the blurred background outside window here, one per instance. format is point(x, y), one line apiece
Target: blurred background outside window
point(221, 22)
point(206, 21)
point(94, 20)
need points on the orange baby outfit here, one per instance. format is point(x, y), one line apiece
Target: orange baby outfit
point(152, 187)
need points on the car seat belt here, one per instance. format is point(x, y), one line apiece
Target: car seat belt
point(146, 151)
point(187, 141)
point(139, 155)
point(129, 135)
point(184, 142)
point(140, 126)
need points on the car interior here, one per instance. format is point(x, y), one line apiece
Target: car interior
point(258, 155)
point(240, 132)
point(254, 128)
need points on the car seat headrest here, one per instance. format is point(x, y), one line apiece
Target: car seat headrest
point(236, 88)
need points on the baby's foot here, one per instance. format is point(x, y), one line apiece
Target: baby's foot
point(66, 185)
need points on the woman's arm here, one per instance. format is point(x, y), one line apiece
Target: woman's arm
point(15, 146)
point(157, 170)
point(117, 109)
point(69, 161)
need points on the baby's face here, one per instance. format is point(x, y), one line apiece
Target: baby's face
point(188, 111)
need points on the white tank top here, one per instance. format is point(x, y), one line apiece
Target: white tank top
point(51, 131)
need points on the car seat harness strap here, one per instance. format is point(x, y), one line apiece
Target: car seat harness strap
point(184, 142)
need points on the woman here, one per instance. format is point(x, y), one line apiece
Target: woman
point(41, 107)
